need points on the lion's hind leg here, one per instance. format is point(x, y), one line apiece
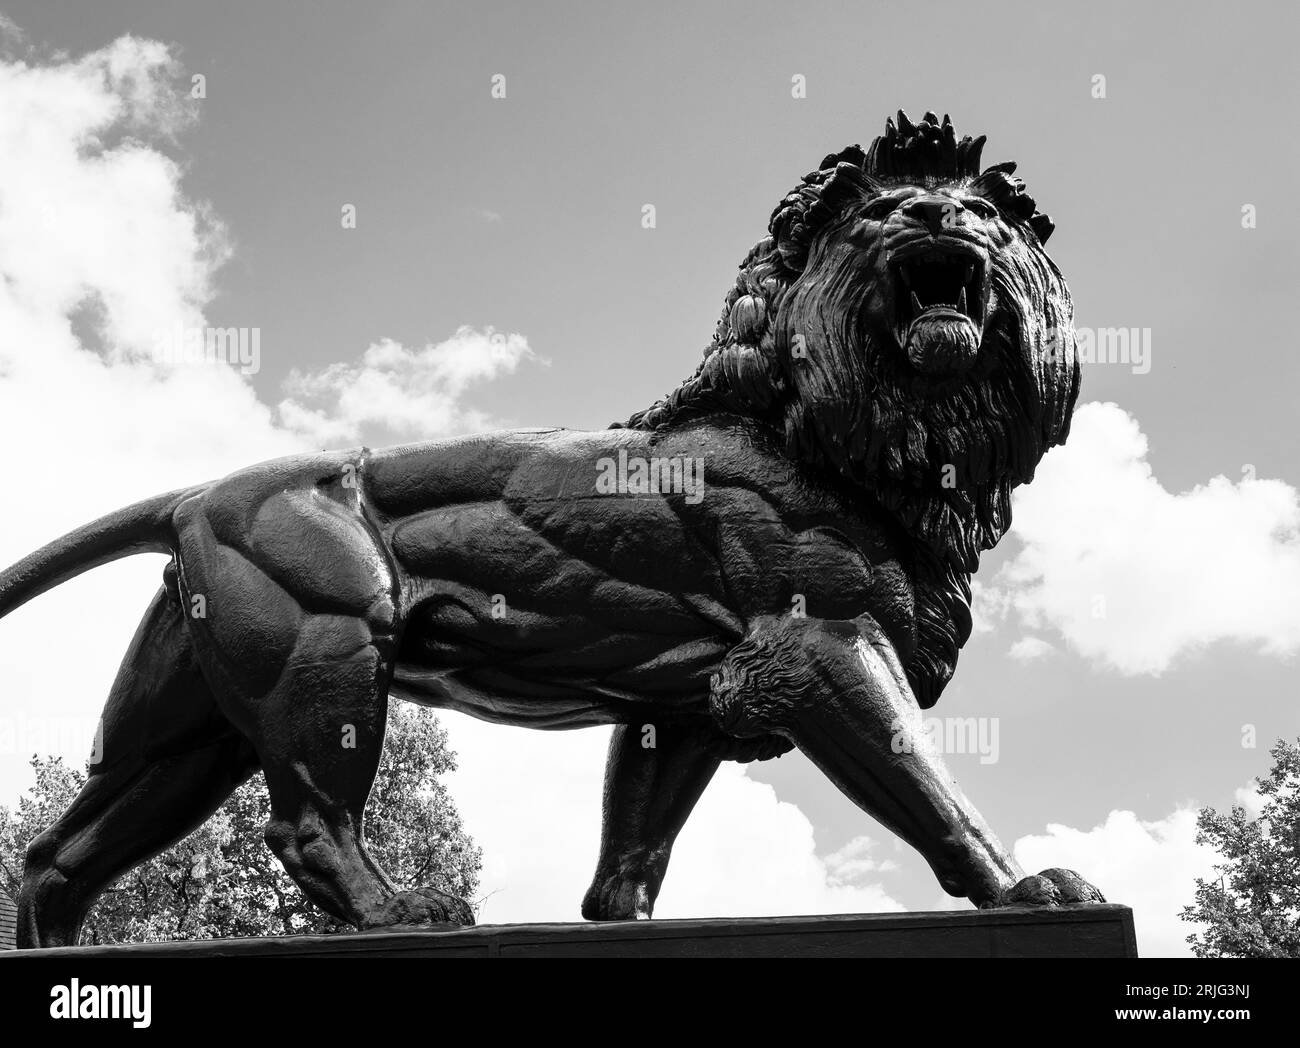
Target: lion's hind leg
point(320, 734)
point(298, 636)
point(168, 759)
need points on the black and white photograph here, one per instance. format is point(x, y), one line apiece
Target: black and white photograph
point(679, 481)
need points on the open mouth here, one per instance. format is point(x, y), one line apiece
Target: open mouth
point(939, 279)
point(940, 292)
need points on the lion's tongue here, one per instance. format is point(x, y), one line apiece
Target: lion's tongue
point(942, 341)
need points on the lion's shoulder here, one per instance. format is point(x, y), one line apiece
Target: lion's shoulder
point(783, 537)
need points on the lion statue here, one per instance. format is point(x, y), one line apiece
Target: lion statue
point(776, 555)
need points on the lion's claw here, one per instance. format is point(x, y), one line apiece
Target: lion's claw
point(423, 907)
point(1054, 887)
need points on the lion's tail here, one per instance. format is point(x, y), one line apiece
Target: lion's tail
point(145, 527)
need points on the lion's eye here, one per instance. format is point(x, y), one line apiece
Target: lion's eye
point(880, 207)
point(981, 207)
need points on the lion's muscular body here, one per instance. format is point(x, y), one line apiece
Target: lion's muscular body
point(892, 360)
point(512, 590)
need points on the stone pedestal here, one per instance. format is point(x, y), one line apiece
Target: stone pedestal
point(1086, 931)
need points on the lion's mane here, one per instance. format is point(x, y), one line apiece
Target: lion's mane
point(800, 347)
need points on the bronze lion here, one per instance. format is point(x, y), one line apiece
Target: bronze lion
point(777, 554)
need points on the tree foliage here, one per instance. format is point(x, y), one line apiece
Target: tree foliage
point(1253, 908)
point(223, 881)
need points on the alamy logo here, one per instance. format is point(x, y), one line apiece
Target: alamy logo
point(1128, 346)
point(102, 1002)
point(633, 475)
point(240, 346)
point(959, 735)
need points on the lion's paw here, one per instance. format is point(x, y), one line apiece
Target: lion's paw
point(424, 907)
point(618, 899)
point(1054, 887)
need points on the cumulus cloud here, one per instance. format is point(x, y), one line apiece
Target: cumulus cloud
point(92, 212)
point(1135, 576)
point(401, 392)
point(1251, 799)
point(99, 249)
point(745, 854)
point(989, 606)
point(532, 799)
point(855, 862)
point(1027, 649)
point(1149, 866)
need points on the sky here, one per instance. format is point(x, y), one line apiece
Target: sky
point(421, 258)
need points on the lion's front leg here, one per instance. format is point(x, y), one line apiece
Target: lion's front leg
point(838, 691)
point(652, 781)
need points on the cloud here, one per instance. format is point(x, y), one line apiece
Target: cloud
point(745, 853)
point(1251, 799)
point(854, 862)
point(403, 393)
point(99, 249)
point(1149, 866)
point(1135, 576)
point(532, 800)
point(85, 202)
point(11, 35)
point(1027, 649)
point(98, 240)
point(989, 606)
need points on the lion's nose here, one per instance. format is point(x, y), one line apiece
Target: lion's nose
point(936, 212)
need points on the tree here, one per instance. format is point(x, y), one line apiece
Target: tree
point(223, 881)
point(1253, 909)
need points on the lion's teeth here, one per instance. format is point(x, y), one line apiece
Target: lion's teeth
point(961, 301)
point(917, 308)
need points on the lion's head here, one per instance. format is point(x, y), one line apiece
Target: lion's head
point(903, 328)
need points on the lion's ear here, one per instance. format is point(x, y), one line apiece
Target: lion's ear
point(823, 198)
point(853, 154)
